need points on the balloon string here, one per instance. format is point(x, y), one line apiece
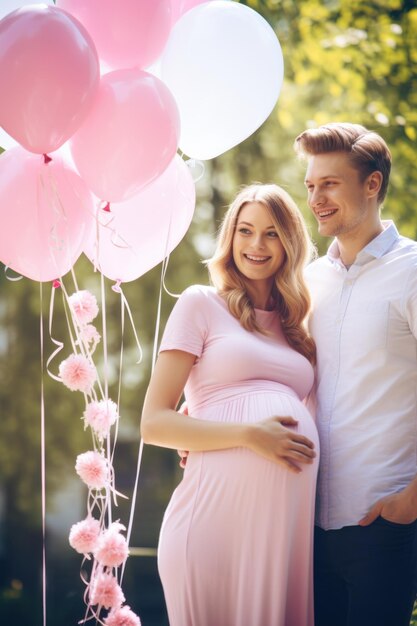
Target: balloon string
point(11, 278)
point(119, 385)
point(126, 307)
point(154, 352)
point(162, 287)
point(59, 344)
point(192, 165)
point(133, 504)
point(140, 451)
point(43, 474)
point(104, 329)
point(47, 193)
point(106, 396)
point(165, 263)
point(117, 240)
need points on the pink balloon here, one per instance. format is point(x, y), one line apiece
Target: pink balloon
point(179, 7)
point(130, 136)
point(138, 234)
point(49, 76)
point(131, 33)
point(46, 213)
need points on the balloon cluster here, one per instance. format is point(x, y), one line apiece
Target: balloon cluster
point(97, 98)
point(123, 86)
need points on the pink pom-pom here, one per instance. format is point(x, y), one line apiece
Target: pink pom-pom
point(84, 535)
point(122, 617)
point(92, 468)
point(84, 306)
point(112, 549)
point(101, 416)
point(106, 591)
point(89, 334)
point(78, 373)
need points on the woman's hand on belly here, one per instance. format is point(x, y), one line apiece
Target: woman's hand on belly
point(274, 439)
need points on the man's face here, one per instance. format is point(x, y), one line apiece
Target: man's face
point(336, 195)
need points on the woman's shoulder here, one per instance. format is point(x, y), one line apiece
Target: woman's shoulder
point(200, 292)
point(202, 299)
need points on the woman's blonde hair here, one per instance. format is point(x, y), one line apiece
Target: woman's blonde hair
point(289, 293)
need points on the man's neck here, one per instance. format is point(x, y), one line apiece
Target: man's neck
point(351, 245)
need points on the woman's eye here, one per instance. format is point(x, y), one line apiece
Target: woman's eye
point(244, 231)
point(272, 234)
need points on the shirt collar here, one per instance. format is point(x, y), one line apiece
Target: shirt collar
point(375, 249)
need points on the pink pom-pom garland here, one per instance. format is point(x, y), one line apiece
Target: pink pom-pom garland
point(100, 416)
point(123, 616)
point(84, 306)
point(93, 469)
point(112, 549)
point(84, 535)
point(105, 548)
point(105, 591)
point(78, 373)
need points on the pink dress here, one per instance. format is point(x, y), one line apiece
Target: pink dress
point(235, 546)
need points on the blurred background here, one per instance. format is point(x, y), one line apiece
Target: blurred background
point(345, 60)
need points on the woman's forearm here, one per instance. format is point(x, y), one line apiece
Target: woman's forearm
point(170, 429)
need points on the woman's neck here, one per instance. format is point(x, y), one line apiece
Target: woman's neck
point(260, 296)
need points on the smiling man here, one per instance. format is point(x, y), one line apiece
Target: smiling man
point(364, 322)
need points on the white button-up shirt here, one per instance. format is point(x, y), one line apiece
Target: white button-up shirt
point(364, 321)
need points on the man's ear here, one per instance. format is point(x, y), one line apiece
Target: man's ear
point(374, 183)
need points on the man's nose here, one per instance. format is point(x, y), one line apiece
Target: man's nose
point(316, 198)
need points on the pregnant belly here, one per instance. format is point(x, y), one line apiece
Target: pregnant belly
point(236, 485)
point(235, 468)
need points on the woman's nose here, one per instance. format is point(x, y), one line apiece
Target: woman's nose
point(259, 241)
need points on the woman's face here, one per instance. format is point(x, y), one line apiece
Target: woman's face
point(257, 250)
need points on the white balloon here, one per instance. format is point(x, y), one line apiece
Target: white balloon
point(6, 141)
point(7, 6)
point(224, 65)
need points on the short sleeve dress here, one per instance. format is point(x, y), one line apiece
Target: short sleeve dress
point(235, 546)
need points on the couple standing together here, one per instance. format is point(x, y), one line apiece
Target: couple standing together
point(263, 389)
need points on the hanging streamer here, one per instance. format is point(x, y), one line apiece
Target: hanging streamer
point(43, 474)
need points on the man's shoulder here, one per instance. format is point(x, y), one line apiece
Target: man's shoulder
point(407, 245)
point(316, 265)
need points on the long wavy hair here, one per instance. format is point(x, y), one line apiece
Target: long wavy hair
point(289, 292)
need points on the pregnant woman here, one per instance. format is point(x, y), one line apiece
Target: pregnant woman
point(235, 546)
